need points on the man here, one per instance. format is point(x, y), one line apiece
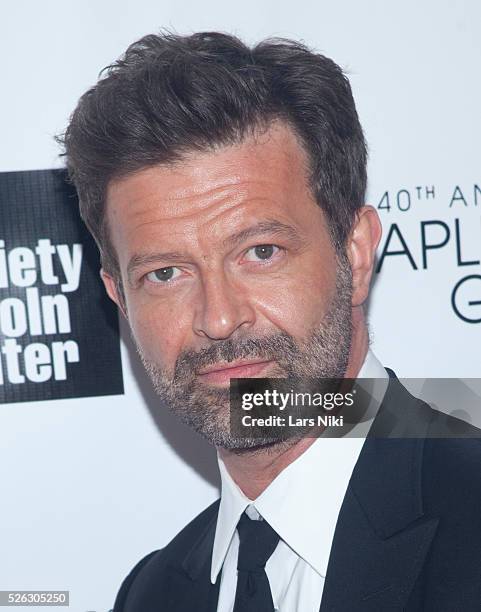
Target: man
point(225, 188)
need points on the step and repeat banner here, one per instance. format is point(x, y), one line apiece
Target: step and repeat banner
point(95, 473)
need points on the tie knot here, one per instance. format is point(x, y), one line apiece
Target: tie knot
point(257, 542)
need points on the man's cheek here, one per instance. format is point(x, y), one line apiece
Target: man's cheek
point(156, 337)
point(293, 311)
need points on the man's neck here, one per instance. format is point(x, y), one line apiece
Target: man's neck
point(254, 470)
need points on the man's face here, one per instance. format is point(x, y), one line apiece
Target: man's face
point(229, 271)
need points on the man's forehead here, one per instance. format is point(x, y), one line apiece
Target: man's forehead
point(260, 159)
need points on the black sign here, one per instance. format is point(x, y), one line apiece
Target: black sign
point(59, 333)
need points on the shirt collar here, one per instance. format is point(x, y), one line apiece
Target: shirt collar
point(233, 502)
point(372, 368)
point(302, 504)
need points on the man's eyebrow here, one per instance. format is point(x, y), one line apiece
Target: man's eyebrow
point(261, 229)
point(140, 260)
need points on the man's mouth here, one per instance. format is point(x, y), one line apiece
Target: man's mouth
point(221, 373)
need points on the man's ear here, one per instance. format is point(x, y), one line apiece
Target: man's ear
point(362, 245)
point(113, 291)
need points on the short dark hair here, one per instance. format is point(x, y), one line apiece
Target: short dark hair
point(169, 95)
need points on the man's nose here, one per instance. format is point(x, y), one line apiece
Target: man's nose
point(222, 309)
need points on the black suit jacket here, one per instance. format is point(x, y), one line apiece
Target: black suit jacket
point(408, 535)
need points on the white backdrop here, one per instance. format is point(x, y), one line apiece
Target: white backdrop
point(91, 485)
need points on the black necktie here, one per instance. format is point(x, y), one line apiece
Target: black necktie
point(257, 542)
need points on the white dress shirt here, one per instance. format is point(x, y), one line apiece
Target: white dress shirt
point(302, 504)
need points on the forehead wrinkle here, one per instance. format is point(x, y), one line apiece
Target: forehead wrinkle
point(154, 197)
point(212, 212)
point(207, 187)
point(235, 192)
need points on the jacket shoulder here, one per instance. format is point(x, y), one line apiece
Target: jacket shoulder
point(152, 567)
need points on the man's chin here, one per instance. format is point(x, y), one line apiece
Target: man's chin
point(249, 446)
point(209, 416)
point(252, 446)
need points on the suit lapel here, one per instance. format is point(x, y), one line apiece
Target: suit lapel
point(367, 572)
point(189, 585)
point(382, 536)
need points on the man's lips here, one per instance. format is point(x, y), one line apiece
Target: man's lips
point(222, 373)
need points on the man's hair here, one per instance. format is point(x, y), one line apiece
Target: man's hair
point(170, 95)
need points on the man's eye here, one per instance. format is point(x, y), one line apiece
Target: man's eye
point(163, 275)
point(261, 252)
